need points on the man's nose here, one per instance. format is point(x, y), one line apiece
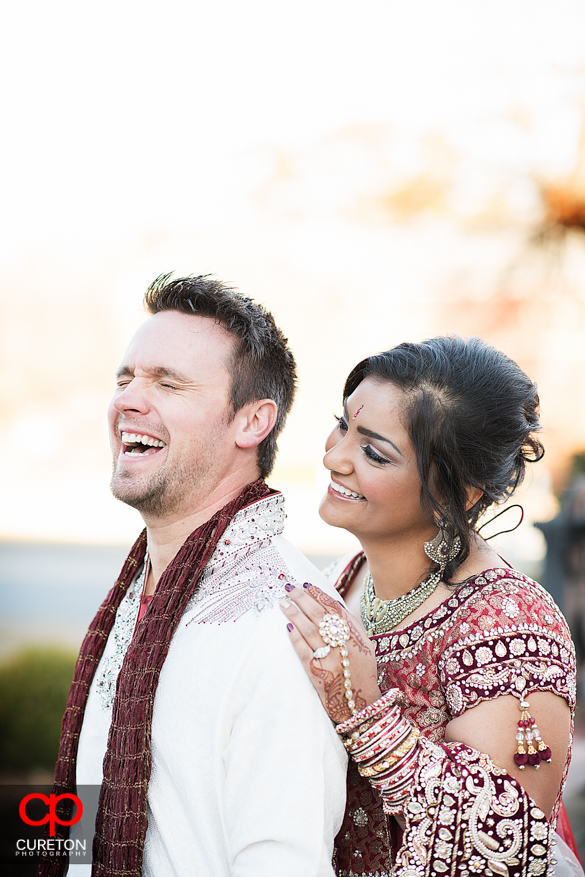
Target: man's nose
point(134, 397)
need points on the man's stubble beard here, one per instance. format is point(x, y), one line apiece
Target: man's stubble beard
point(176, 489)
point(160, 494)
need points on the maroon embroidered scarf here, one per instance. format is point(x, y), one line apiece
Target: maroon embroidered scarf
point(121, 821)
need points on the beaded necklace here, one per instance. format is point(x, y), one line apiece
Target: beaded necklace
point(381, 616)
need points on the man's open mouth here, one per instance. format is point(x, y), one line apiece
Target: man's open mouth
point(134, 445)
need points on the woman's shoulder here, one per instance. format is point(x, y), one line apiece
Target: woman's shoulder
point(341, 573)
point(506, 636)
point(507, 594)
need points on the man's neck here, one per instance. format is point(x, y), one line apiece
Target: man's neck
point(166, 535)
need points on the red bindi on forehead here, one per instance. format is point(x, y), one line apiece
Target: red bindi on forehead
point(357, 412)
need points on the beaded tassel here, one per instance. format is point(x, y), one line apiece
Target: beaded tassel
point(528, 737)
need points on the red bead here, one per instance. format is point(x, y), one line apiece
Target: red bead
point(521, 759)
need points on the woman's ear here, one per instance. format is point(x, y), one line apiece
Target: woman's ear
point(473, 494)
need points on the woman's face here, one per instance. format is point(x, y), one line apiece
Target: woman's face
point(375, 487)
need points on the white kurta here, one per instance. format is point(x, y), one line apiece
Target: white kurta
point(248, 774)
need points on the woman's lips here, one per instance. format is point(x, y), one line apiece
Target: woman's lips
point(340, 492)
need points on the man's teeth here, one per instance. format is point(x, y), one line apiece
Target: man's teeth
point(345, 492)
point(130, 438)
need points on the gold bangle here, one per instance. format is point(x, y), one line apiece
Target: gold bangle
point(390, 760)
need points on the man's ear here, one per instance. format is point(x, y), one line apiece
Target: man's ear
point(255, 421)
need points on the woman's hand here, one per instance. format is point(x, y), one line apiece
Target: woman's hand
point(305, 608)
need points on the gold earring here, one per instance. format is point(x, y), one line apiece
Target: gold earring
point(439, 550)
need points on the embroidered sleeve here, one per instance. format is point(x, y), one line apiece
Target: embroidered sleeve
point(511, 640)
point(465, 815)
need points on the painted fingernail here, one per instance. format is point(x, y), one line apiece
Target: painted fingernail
point(290, 627)
point(307, 585)
point(289, 587)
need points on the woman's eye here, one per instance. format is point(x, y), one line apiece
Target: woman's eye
point(373, 455)
point(341, 423)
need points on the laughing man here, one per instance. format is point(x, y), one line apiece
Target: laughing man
point(189, 706)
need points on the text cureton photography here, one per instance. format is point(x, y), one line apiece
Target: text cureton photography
point(37, 822)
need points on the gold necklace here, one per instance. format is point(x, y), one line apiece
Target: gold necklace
point(381, 616)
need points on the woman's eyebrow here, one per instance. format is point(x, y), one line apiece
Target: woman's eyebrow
point(368, 432)
point(375, 435)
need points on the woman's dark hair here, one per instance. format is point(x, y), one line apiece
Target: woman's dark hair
point(471, 414)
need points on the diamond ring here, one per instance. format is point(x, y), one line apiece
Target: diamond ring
point(334, 630)
point(322, 652)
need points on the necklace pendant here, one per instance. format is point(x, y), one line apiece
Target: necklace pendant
point(379, 610)
point(381, 616)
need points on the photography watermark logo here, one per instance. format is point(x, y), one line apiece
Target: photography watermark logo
point(51, 845)
point(37, 823)
point(51, 816)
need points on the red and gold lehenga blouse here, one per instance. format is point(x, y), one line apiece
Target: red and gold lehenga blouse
point(499, 633)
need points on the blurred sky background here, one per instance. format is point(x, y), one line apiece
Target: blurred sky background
point(373, 172)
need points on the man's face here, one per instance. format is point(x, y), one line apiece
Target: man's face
point(170, 416)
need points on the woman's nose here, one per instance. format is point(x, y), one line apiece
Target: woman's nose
point(337, 457)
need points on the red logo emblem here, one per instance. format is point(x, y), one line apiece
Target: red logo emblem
point(51, 801)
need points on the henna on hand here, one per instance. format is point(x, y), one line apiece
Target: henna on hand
point(333, 694)
point(330, 683)
point(329, 603)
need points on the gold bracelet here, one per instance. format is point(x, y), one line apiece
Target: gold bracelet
point(335, 631)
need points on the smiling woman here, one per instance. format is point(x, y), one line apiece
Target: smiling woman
point(375, 486)
point(456, 702)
